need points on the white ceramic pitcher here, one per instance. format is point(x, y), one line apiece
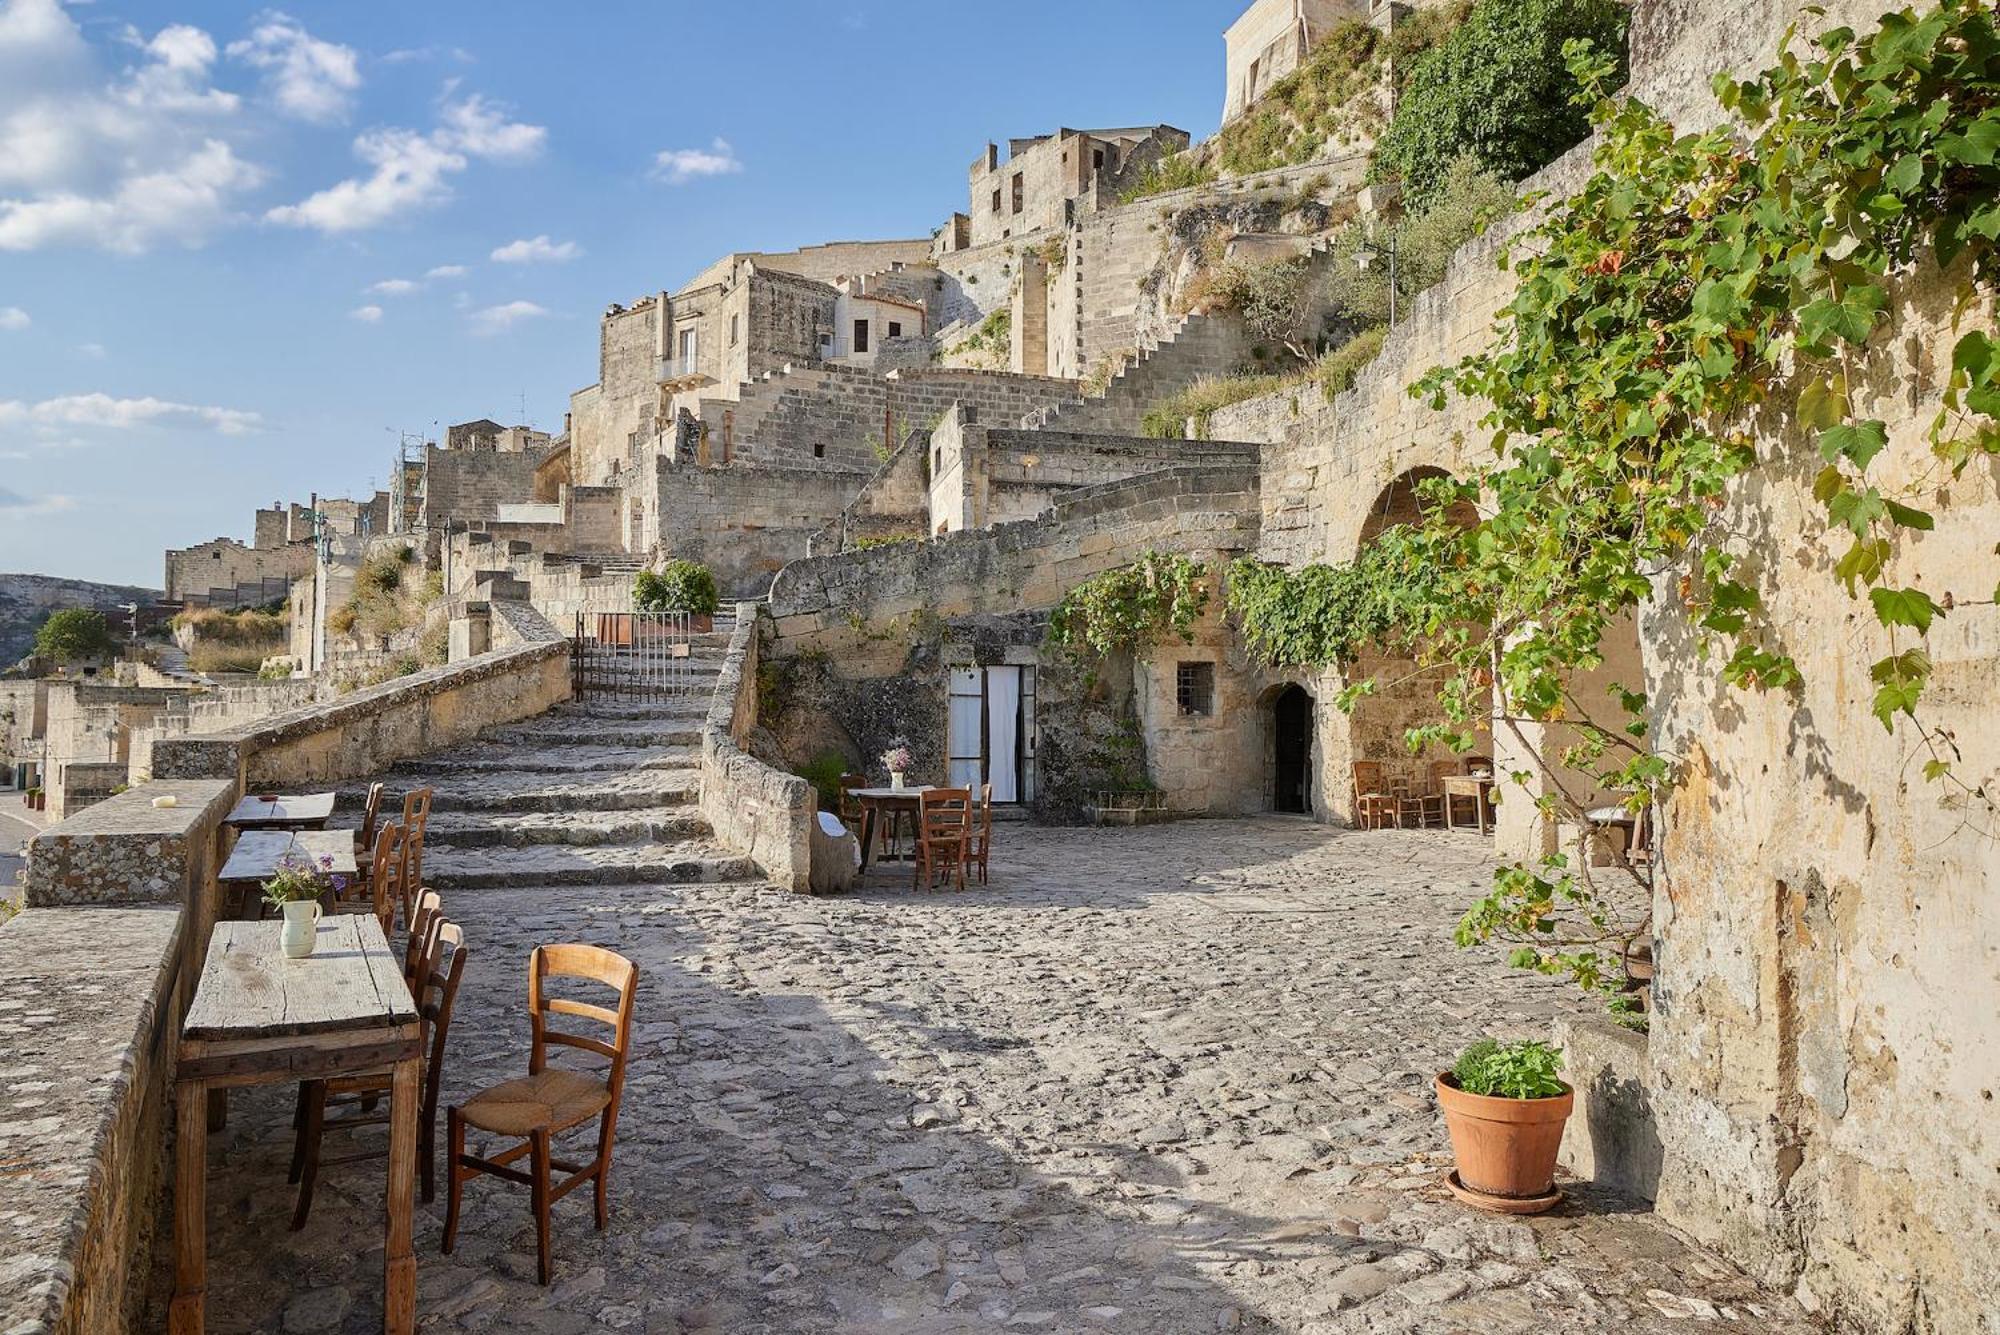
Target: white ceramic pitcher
point(301, 930)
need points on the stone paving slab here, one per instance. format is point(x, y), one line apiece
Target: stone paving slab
point(516, 757)
point(1162, 1080)
point(528, 790)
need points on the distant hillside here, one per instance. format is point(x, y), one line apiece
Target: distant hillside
point(27, 600)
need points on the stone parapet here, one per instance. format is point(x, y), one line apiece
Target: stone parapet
point(369, 730)
point(93, 996)
point(125, 850)
point(751, 806)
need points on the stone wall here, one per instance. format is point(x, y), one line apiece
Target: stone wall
point(1203, 347)
point(751, 806)
point(470, 486)
point(367, 731)
point(225, 706)
point(743, 523)
point(91, 724)
point(24, 719)
point(1821, 1070)
point(893, 504)
point(212, 571)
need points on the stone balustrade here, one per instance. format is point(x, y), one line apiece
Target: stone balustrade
point(763, 811)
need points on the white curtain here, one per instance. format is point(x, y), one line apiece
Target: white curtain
point(1003, 717)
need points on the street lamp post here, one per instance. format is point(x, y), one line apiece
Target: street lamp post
point(1365, 258)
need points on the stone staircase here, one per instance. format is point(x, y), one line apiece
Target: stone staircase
point(600, 791)
point(1201, 346)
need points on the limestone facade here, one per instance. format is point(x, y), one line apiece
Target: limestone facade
point(1035, 187)
point(1270, 39)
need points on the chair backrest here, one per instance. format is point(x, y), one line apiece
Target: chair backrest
point(944, 815)
point(425, 921)
point(1368, 778)
point(436, 993)
point(370, 813)
point(986, 810)
point(385, 873)
point(1479, 764)
point(416, 818)
point(850, 808)
point(1442, 769)
point(597, 965)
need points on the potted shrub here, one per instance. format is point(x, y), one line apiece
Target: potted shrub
point(679, 586)
point(295, 891)
point(1505, 1109)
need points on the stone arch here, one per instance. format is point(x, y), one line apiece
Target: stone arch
point(1374, 730)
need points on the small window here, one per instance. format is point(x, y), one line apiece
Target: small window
point(895, 329)
point(1194, 686)
point(996, 199)
point(819, 449)
point(216, 555)
point(1020, 191)
point(1097, 159)
point(735, 323)
point(861, 336)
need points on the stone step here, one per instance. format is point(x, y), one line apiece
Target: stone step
point(528, 790)
point(679, 863)
point(583, 827)
point(519, 758)
point(584, 730)
point(690, 708)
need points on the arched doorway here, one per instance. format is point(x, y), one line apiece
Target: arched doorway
point(1291, 747)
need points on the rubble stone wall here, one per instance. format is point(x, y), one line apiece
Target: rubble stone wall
point(763, 811)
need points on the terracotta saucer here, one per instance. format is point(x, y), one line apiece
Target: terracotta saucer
point(1501, 1204)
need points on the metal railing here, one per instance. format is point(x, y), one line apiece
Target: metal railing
point(632, 654)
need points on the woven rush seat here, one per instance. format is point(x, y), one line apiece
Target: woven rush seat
point(550, 1100)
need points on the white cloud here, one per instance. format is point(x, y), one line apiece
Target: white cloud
point(121, 162)
point(306, 77)
point(491, 320)
point(404, 55)
point(103, 410)
point(394, 287)
point(678, 166)
point(537, 250)
point(94, 351)
point(446, 271)
point(13, 317)
point(20, 507)
point(366, 314)
point(411, 170)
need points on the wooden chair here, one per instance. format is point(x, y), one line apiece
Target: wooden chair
point(381, 889)
point(944, 834)
point(1374, 806)
point(1426, 808)
point(440, 970)
point(551, 1099)
point(364, 838)
point(416, 819)
point(425, 923)
point(850, 806)
point(982, 832)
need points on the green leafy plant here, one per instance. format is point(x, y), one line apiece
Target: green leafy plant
point(1132, 607)
point(297, 880)
point(1496, 88)
point(678, 586)
point(1522, 1070)
point(1175, 171)
point(1168, 419)
point(73, 633)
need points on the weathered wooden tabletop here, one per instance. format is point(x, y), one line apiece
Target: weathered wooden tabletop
point(293, 811)
point(250, 989)
point(257, 853)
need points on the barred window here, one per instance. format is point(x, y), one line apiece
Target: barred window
point(1194, 685)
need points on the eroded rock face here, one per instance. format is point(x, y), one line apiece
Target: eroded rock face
point(27, 600)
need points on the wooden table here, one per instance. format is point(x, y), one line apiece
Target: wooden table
point(257, 854)
point(892, 801)
point(297, 811)
point(259, 1018)
point(1478, 787)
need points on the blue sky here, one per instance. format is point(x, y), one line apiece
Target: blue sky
point(240, 247)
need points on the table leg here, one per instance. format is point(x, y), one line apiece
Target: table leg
point(190, 1207)
point(1480, 802)
point(399, 1262)
point(867, 836)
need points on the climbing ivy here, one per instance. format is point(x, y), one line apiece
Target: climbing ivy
point(1131, 607)
point(1696, 285)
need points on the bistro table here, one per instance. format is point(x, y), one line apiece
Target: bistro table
point(1478, 787)
point(296, 811)
point(891, 802)
point(257, 854)
point(260, 1018)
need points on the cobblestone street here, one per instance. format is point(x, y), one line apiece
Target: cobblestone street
point(1172, 1079)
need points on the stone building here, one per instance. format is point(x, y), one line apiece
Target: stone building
point(1038, 184)
point(1270, 39)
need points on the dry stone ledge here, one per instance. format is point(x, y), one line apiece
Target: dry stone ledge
point(86, 1004)
point(125, 850)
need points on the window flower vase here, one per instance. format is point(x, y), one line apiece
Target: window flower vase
point(896, 780)
point(300, 933)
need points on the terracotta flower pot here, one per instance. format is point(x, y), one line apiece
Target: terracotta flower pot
point(1506, 1148)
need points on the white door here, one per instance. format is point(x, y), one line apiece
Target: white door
point(990, 731)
